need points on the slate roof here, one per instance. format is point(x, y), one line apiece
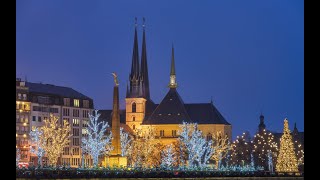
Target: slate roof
point(171, 110)
point(205, 113)
point(55, 90)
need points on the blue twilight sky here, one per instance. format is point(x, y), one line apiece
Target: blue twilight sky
point(248, 55)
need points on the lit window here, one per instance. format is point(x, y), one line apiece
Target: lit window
point(76, 102)
point(75, 122)
point(19, 96)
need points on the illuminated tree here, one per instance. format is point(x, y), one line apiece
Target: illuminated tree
point(97, 142)
point(181, 153)
point(38, 150)
point(263, 142)
point(198, 149)
point(221, 147)
point(287, 159)
point(125, 139)
point(270, 162)
point(54, 138)
point(241, 151)
point(168, 157)
point(146, 149)
point(18, 156)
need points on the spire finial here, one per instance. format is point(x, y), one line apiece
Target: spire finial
point(173, 83)
point(144, 21)
point(211, 100)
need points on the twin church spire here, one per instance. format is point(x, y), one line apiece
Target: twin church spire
point(139, 78)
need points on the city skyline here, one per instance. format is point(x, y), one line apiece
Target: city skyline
point(246, 68)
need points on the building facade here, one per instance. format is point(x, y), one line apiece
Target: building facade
point(63, 102)
point(22, 120)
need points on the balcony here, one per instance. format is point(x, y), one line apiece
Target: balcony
point(23, 110)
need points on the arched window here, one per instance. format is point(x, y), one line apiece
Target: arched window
point(133, 126)
point(134, 107)
point(133, 118)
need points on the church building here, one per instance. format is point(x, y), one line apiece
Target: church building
point(141, 111)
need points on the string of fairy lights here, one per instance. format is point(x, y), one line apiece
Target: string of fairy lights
point(262, 152)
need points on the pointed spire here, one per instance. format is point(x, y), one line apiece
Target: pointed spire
point(295, 129)
point(134, 75)
point(173, 83)
point(173, 69)
point(144, 66)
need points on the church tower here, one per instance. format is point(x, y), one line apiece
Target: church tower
point(261, 126)
point(138, 92)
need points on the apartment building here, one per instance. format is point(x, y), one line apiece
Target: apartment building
point(63, 102)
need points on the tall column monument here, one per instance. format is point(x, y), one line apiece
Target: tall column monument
point(115, 159)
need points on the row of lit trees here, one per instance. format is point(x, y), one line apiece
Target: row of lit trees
point(266, 152)
point(191, 150)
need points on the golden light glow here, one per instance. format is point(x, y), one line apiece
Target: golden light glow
point(24, 135)
point(54, 138)
point(287, 160)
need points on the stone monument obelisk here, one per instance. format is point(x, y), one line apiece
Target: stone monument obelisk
point(115, 159)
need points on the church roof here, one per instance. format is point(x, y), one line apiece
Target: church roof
point(205, 113)
point(171, 110)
